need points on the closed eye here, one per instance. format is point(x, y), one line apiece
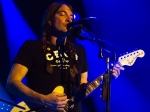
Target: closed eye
point(64, 13)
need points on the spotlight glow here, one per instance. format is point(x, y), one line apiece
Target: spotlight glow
point(17, 30)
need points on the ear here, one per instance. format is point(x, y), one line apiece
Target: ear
point(49, 22)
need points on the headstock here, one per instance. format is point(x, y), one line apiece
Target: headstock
point(129, 58)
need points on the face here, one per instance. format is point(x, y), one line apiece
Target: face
point(62, 17)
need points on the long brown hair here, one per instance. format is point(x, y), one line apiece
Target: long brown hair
point(49, 16)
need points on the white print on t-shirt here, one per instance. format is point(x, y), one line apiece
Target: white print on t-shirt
point(63, 60)
point(55, 56)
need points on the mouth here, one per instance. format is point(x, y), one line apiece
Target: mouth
point(65, 25)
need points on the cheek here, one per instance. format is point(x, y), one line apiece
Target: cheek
point(57, 23)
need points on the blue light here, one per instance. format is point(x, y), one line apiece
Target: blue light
point(17, 30)
point(121, 23)
point(76, 16)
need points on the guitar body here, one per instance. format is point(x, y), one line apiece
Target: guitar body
point(23, 104)
point(58, 89)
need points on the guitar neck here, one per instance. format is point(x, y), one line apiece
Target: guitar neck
point(127, 59)
point(94, 84)
point(83, 93)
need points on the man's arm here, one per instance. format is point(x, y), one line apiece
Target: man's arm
point(15, 86)
point(84, 77)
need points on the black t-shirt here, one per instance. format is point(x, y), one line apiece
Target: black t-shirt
point(32, 55)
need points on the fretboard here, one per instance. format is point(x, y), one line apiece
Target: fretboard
point(83, 93)
point(93, 85)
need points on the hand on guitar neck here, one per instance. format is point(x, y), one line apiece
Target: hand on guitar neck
point(128, 60)
point(116, 70)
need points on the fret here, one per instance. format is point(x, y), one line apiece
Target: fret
point(90, 88)
point(81, 94)
point(72, 99)
point(97, 83)
point(123, 60)
point(94, 84)
point(65, 109)
point(62, 110)
point(87, 92)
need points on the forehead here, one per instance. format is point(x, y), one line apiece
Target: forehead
point(65, 8)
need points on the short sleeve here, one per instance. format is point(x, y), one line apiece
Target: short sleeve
point(85, 64)
point(25, 54)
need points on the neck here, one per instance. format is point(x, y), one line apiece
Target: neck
point(58, 40)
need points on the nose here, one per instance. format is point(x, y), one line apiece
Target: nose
point(69, 19)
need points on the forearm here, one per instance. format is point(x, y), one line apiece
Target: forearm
point(17, 88)
point(84, 77)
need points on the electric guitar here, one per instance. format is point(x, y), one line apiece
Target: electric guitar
point(127, 59)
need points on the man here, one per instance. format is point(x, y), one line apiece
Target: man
point(51, 62)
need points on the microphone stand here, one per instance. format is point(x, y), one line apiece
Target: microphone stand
point(107, 77)
point(106, 84)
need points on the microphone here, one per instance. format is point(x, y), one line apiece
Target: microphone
point(71, 24)
point(75, 33)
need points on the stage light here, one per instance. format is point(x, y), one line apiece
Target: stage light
point(76, 16)
point(17, 29)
